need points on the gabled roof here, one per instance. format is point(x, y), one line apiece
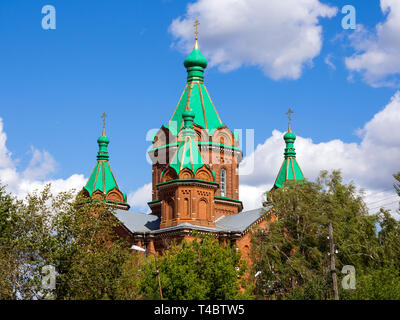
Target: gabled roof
point(148, 223)
point(138, 222)
point(241, 221)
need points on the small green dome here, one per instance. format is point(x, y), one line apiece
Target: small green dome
point(195, 59)
point(188, 114)
point(103, 139)
point(188, 117)
point(289, 136)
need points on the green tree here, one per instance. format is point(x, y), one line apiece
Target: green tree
point(382, 283)
point(199, 269)
point(397, 184)
point(74, 235)
point(8, 261)
point(293, 254)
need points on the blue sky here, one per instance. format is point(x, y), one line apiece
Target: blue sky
point(122, 57)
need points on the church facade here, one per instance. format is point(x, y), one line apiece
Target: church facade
point(195, 176)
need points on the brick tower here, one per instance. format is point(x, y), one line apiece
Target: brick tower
point(195, 158)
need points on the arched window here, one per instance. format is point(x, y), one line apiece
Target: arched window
point(186, 207)
point(223, 182)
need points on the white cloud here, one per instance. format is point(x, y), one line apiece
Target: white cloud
point(280, 37)
point(138, 199)
point(252, 196)
point(41, 165)
point(377, 54)
point(370, 164)
point(35, 176)
point(328, 61)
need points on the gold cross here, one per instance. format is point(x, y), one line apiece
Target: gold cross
point(196, 24)
point(103, 116)
point(289, 113)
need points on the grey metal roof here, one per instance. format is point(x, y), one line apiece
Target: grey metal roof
point(138, 222)
point(186, 225)
point(239, 222)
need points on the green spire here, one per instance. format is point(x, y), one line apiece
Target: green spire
point(102, 177)
point(196, 95)
point(103, 142)
point(290, 169)
point(188, 153)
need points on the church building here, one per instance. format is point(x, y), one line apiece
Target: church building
point(195, 181)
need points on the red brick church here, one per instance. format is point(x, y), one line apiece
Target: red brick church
point(195, 180)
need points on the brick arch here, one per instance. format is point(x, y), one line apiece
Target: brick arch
point(162, 137)
point(169, 174)
point(115, 195)
point(98, 195)
point(186, 174)
point(223, 136)
point(186, 207)
point(204, 173)
point(170, 210)
point(201, 133)
point(203, 208)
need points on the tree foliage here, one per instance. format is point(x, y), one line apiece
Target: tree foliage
point(78, 238)
point(293, 254)
point(199, 269)
point(70, 233)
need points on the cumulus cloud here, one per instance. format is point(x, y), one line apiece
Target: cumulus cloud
point(370, 163)
point(328, 61)
point(139, 198)
point(280, 37)
point(377, 53)
point(35, 176)
point(41, 165)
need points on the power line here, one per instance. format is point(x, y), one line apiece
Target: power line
point(369, 203)
point(383, 191)
point(384, 205)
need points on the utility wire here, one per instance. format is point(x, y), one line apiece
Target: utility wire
point(384, 205)
point(395, 195)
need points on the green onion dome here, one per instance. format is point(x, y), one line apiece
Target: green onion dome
point(289, 136)
point(195, 59)
point(103, 139)
point(103, 142)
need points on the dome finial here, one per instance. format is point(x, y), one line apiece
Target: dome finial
point(195, 63)
point(196, 34)
point(289, 113)
point(103, 116)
